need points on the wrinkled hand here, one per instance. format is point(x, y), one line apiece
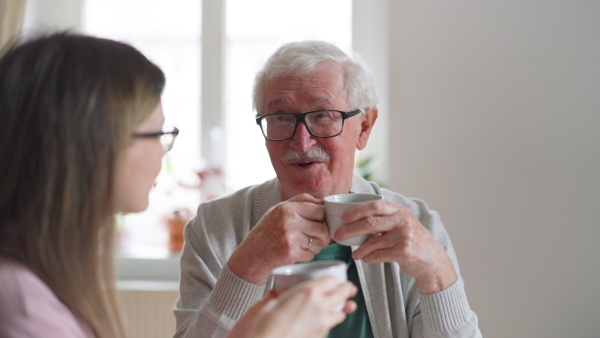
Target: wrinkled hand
point(403, 240)
point(281, 237)
point(302, 311)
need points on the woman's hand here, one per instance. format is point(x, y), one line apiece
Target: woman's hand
point(302, 311)
point(243, 326)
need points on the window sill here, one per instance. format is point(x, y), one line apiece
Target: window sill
point(152, 270)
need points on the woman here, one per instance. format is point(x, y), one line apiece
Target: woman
point(81, 138)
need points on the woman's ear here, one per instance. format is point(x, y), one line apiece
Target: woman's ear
point(366, 126)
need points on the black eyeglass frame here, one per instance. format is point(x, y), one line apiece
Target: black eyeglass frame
point(159, 134)
point(300, 117)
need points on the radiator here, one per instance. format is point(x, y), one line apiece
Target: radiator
point(148, 313)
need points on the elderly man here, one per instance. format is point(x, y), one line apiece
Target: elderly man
point(408, 279)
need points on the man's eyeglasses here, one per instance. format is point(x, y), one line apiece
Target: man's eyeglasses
point(167, 137)
point(320, 123)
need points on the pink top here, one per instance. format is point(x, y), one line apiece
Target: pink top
point(28, 308)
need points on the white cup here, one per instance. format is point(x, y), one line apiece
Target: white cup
point(287, 276)
point(337, 205)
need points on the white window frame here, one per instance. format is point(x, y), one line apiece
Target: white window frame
point(370, 40)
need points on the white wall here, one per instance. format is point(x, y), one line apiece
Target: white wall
point(495, 118)
point(370, 41)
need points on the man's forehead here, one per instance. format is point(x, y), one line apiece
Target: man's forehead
point(286, 101)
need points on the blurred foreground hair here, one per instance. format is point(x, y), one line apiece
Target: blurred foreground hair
point(68, 106)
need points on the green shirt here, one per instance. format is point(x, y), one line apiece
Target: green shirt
point(357, 324)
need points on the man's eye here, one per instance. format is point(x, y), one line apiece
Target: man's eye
point(284, 118)
point(324, 115)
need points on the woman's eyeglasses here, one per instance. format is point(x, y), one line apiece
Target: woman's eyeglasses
point(167, 136)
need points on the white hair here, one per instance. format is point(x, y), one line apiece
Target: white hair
point(305, 57)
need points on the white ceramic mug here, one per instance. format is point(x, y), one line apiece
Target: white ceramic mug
point(337, 205)
point(287, 276)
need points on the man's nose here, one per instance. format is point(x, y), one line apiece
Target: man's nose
point(302, 139)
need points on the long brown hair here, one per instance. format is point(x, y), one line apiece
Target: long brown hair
point(68, 106)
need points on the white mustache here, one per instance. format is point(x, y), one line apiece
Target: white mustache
point(312, 153)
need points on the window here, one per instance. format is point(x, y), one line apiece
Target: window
point(169, 33)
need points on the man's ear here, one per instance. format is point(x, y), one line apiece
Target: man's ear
point(366, 126)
